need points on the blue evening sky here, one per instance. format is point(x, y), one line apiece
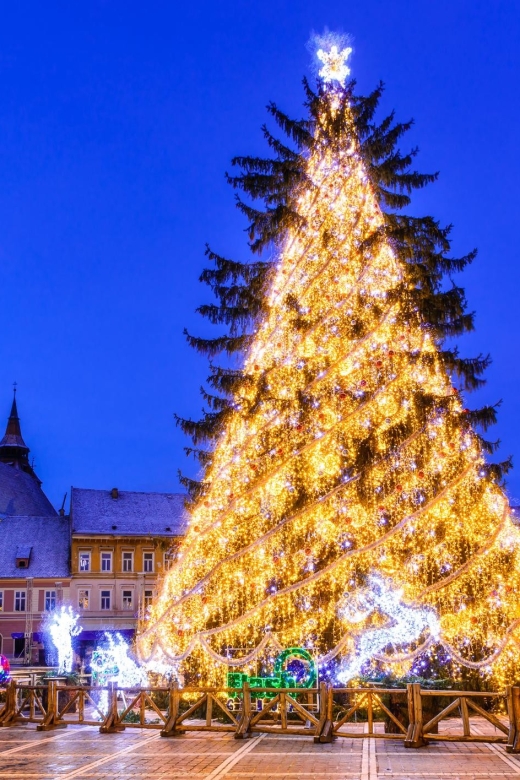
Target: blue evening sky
point(117, 123)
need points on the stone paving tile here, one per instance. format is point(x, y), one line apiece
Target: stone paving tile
point(81, 753)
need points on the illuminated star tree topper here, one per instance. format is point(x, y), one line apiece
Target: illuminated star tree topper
point(335, 66)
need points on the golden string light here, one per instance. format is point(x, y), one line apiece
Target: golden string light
point(348, 455)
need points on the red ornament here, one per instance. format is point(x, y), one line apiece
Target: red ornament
point(421, 475)
point(276, 559)
point(399, 488)
point(390, 353)
point(465, 411)
point(382, 509)
point(180, 632)
point(257, 368)
point(379, 363)
point(196, 528)
point(253, 466)
point(206, 503)
point(342, 396)
point(299, 427)
point(308, 551)
point(204, 599)
point(363, 382)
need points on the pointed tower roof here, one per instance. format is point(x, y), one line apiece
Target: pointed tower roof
point(13, 450)
point(13, 432)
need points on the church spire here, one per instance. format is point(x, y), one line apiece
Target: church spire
point(13, 449)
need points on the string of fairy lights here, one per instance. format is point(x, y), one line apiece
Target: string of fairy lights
point(348, 463)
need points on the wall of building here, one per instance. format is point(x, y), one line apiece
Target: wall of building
point(16, 621)
point(134, 565)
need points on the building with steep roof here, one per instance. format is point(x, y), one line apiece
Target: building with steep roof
point(122, 541)
point(104, 559)
point(34, 579)
point(34, 554)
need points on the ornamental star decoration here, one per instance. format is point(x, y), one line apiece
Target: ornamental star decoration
point(334, 64)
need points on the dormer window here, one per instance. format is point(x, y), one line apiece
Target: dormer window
point(23, 556)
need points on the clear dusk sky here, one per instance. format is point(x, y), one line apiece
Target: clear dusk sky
point(117, 122)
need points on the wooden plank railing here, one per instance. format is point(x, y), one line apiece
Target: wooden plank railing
point(323, 713)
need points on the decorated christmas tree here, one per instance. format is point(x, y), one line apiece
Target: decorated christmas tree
point(347, 504)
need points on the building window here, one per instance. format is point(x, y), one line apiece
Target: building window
point(148, 595)
point(106, 561)
point(83, 596)
point(128, 561)
point(169, 558)
point(84, 560)
point(1, 600)
point(19, 601)
point(105, 599)
point(50, 600)
point(127, 599)
point(148, 561)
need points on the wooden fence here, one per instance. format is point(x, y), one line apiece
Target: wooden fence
point(413, 715)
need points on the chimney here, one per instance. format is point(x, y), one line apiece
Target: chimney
point(114, 493)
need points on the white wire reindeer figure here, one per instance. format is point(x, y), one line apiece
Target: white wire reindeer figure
point(406, 622)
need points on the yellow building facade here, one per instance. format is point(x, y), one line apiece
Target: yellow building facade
point(121, 543)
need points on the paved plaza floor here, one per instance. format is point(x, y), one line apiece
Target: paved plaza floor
point(82, 752)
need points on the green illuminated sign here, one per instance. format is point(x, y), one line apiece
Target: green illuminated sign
point(282, 677)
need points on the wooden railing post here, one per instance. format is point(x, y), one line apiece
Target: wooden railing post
point(170, 727)
point(8, 714)
point(52, 718)
point(112, 723)
point(209, 710)
point(326, 724)
point(242, 731)
point(513, 710)
point(414, 736)
point(81, 706)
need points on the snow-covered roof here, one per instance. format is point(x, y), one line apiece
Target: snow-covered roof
point(49, 548)
point(24, 551)
point(129, 514)
point(21, 494)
